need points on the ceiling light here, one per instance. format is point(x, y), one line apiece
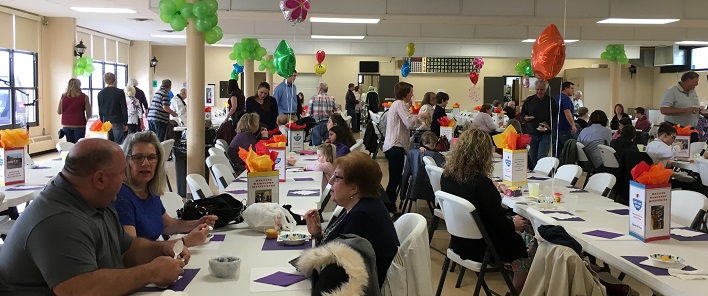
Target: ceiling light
point(566, 41)
point(342, 20)
point(103, 10)
point(692, 42)
point(335, 37)
point(222, 45)
point(169, 36)
point(637, 21)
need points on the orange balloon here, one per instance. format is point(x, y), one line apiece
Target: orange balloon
point(548, 53)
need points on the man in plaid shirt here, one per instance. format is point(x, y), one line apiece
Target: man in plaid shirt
point(321, 107)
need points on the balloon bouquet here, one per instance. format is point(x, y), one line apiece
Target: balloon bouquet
point(83, 66)
point(477, 65)
point(177, 12)
point(406, 68)
point(615, 52)
point(249, 49)
point(319, 68)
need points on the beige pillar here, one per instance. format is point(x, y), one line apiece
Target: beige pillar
point(269, 77)
point(195, 103)
point(248, 86)
point(615, 73)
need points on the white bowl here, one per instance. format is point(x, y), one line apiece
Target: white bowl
point(224, 266)
point(666, 260)
point(294, 239)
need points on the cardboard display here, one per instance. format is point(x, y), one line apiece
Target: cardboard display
point(296, 141)
point(447, 132)
point(684, 142)
point(649, 211)
point(12, 165)
point(263, 187)
point(514, 167)
point(280, 161)
point(99, 135)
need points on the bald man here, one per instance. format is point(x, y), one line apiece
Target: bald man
point(69, 240)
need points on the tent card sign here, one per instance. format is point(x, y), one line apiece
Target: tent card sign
point(296, 141)
point(514, 167)
point(683, 143)
point(447, 132)
point(263, 187)
point(280, 162)
point(12, 164)
point(649, 211)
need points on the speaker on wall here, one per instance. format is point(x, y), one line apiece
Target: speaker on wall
point(368, 67)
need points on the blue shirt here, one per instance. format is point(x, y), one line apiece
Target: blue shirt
point(592, 136)
point(565, 104)
point(286, 96)
point(144, 214)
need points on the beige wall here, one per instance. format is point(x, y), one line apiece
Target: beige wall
point(139, 65)
point(56, 62)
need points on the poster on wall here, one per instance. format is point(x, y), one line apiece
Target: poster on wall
point(209, 95)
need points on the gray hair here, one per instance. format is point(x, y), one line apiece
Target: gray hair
point(540, 82)
point(133, 82)
point(129, 90)
point(324, 87)
point(372, 88)
point(577, 94)
point(157, 184)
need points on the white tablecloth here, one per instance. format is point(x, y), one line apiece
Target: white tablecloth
point(37, 176)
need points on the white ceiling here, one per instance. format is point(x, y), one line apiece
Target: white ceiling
point(438, 27)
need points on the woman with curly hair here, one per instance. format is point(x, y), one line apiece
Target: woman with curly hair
point(467, 174)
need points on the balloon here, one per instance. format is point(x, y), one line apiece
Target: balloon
point(525, 82)
point(410, 49)
point(320, 69)
point(179, 4)
point(238, 47)
point(528, 71)
point(295, 10)
point(232, 56)
point(234, 75)
point(202, 24)
point(200, 9)
point(548, 53)
point(86, 74)
point(210, 37)
point(212, 5)
point(167, 7)
point(89, 68)
point(320, 55)
point(178, 23)
point(474, 77)
point(406, 69)
point(284, 59)
point(271, 71)
point(213, 20)
point(187, 10)
point(88, 60)
point(261, 67)
point(81, 62)
point(477, 63)
point(261, 51)
point(166, 18)
point(238, 68)
point(605, 56)
point(78, 71)
point(219, 32)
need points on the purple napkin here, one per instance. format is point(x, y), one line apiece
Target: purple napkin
point(603, 234)
point(314, 192)
point(41, 167)
point(281, 279)
point(697, 238)
point(579, 191)
point(25, 187)
point(576, 218)
point(218, 238)
point(309, 159)
point(538, 178)
point(653, 270)
point(572, 187)
point(241, 180)
point(179, 285)
point(238, 191)
point(273, 245)
point(303, 179)
point(622, 212)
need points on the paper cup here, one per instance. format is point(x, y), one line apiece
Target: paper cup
point(534, 189)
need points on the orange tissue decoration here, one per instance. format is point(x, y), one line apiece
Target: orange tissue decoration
point(444, 122)
point(654, 175)
point(478, 108)
point(497, 110)
point(14, 138)
point(294, 127)
point(456, 105)
point(684, 131)
point(261, 160)
point(276, 141)
point(96, 126)
point(415, 109)
point(511, 140)
point(106, 127)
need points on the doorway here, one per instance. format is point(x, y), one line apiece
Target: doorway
point(512, 88)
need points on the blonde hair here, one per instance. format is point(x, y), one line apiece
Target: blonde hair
point(429, 138)
point(249, 122)
point(282, 119)
point(73, 88)
point(109, 78)
point(129, 90)
point(157, 184)
point(329, 151)
point(471, 155)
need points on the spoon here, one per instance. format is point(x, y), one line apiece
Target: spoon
point(178, 248)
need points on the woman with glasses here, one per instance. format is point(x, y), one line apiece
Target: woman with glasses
point(364, 213)
point(138, 204)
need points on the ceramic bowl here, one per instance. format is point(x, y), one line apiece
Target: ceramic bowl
point(224, 266)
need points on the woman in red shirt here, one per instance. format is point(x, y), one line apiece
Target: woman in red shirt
point(75, 110)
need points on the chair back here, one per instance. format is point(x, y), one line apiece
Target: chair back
point(219, 159)
point(458, 218)
point(64, 146)
point(569, 173)
point(172, 202)
point(609, 160)
point(428, 160)
point(409, 225)
point(374, 117)
point(221, 146)
point(223, 176)
point(537, 219)
point(216, 151)
point(702, 165)
point(198, 186)
point(434, 174)
point(696, 148)
point(546, 165)
point(221, 142)
point(601, 183)
point(357, 145)
point(167, 147)
point(326, 204)
point(581, 152)
point(685, 204)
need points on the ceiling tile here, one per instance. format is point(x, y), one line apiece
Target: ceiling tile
point(497, 8)
point(695, 9)
point(279, 28)
point(447, 31)
point(339, 29)
point(607, 33)
point(438, 50)
point(646, 9)
point(371, 48)
point(398, 30)
point(696, 34)
point(570, 32)
point(575, 8)
point(359, 8)
point(662, 33)
point(423, 7)
point(490, 31)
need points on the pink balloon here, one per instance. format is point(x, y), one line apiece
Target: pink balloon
point(477, 63)
point(525, 82)
point(295, 10)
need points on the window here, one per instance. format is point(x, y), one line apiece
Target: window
point(93, 84)
point(18, 89)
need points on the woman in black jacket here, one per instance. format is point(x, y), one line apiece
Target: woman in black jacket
point(619, 114)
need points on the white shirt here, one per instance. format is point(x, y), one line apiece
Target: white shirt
point(484, 121)
point(659, 151)
point(177, 105)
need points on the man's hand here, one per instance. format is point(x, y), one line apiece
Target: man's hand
point(166, 270)
point(574, 129)
point(693, 110)
point(168, 250)
point(519, 223)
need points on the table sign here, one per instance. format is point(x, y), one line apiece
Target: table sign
point(447, 131)
point(649, 211)
point(263, 187)
point(514, 167)
point(685, 143)
point(98, 135)
point(12, 165)
point(297, 140)
point(280, 162)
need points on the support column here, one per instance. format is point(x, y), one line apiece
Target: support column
point(269, 76)
point(248, 87)
point(615, 73)
point(195, 104)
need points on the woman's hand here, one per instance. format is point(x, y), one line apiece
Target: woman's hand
point(197, 236)
point(519, 223)
point(208, 220)
point(264, 134)
point(314, 226)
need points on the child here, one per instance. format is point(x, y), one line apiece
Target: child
point(325, 158)
point(661, 148)
point(282, 120)
point(335, 134)
point(625, 121)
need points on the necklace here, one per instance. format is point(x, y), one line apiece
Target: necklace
point(333, 226)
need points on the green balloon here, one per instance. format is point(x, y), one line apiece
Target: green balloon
point(232, 56)
point(528, 71)
point(78, 71)
point(89, 68)
point(271, 71)
point(213, 20)
point(166, 18)
point(212, 5)
point(167, 7)
point(210, 37)
point(234, 75)
point(219, 31)
point(239, 61)
point(179, 4)
point(86, 74)
point(261, 51)
point(178, 22)
point(238, 47)
point(202, 25)
point(200, 9)
point(187, 10)
point(609, 47)
point(81, 62)
point(284, 59)
point(261, 67)
point(88, 60)
point(605, 55)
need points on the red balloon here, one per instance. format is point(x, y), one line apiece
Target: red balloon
point(320, 56)
point(548, 53)
point(474, 77)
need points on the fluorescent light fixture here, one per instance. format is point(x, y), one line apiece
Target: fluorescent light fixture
point(692, 42)
point(103, 10)
point(167, 36)
point(637, 21)
point(222, 45)
point(335, 37)
point(343, 20)
point(566, 41)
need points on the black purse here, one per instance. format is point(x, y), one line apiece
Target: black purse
point(224, 206)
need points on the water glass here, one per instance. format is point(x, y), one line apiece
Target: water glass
point(534, 189)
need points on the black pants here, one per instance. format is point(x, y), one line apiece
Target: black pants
point(396, 157)
point(133, 128)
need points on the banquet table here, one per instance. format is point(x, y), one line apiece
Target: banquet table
point(595, 211)
point(35, 178)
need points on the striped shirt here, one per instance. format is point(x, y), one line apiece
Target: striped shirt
point(399, 124)
point(156, 111)
point(321, 107)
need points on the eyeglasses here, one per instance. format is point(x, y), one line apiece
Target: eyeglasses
point(139, 158)
point(334, 178)
point(673, 137)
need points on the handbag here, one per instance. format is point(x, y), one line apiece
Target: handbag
point(443, 144)
point(224, 206)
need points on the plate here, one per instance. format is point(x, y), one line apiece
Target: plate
point(666, 260)
point(294, 239)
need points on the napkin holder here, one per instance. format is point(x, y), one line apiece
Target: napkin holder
point(514, 167)
point(12, 165)
point(649, 211)
point(263, 187)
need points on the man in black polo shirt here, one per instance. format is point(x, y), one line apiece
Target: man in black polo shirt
point(539, 112)
point(69, 240)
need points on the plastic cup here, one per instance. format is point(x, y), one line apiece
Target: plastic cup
point(571, 203)
point(641, 147)
point(534, 189)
